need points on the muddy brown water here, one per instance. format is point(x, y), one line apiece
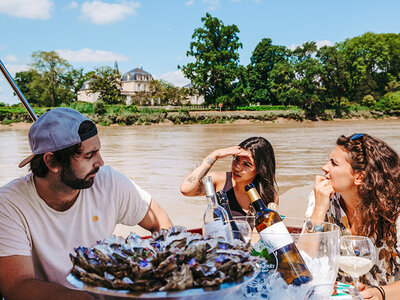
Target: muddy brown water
point(159, 157)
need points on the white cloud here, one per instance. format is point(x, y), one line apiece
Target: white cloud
point(101, 13)
point(213, 4)
point(324, 43)
point(11, 58)
point(176, 78)
point(90, 55)
point(319, 44)
point(29, 9)
point(12, 69)
point(190, 2)
point(73, 5)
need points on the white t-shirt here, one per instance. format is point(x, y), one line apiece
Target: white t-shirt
point(28, 226)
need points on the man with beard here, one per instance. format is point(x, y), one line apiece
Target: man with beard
point(70, 199)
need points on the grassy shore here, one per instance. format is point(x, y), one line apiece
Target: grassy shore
point(131, 115)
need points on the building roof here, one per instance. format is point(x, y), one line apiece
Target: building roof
point(132, 74)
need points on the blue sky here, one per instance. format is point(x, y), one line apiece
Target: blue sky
point(155, 34)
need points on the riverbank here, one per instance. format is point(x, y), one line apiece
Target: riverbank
point(222, 117)
point(132, 115)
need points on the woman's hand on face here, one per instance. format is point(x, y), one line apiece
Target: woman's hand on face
point(224, 152)
point(323, 191)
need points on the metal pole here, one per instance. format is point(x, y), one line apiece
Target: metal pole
point(18, 92)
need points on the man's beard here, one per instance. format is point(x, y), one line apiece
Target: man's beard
point(69, 178)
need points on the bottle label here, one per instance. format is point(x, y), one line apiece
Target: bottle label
point(276, 236)
point(216, 229)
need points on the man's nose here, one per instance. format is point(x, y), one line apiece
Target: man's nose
point(99, 162)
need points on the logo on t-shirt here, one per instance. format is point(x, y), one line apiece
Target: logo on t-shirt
point(95, 218)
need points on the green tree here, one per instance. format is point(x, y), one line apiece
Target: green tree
point(282, 84)
point(334, 76)
point(106, 81)
point(73, 81)
point(216, 67)
point(24, 81)
point(51, 67)
point(307, 79)
point(262, 62)
point(373, 61)
point(165, 93)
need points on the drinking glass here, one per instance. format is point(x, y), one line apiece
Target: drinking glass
point(338, 290)
point(357, 256)
point(245, 225)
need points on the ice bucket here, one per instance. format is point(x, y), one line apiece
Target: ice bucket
point(318, 245)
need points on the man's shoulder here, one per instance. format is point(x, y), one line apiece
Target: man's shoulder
point(17, 185)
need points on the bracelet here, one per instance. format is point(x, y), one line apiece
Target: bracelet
point(381, 290)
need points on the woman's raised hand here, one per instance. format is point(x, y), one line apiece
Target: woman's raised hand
point(323, 191)
point(224, 152)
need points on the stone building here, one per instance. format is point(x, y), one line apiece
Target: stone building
point(132, 82)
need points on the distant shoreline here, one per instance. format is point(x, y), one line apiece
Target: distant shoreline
point(26, 125)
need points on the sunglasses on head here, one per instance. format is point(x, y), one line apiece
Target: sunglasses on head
point(357, 136)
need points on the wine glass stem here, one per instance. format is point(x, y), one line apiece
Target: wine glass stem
point(355, 279)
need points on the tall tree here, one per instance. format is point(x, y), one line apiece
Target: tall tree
point(262, 62)
point(24, 81)
point(307, 78)
point(106, 81)
point(373, 61)
point(216, 67)
point(51, 67)
point(334, 75)
point(73, 80)
point(282, 84)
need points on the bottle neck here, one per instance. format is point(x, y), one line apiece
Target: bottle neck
point(212, 200)
point(259, 205)
point(256, 201)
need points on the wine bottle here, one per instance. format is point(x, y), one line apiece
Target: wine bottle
point(288, 259)
point(222, 199)
point(215, 219)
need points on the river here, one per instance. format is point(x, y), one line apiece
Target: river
point(158, 157)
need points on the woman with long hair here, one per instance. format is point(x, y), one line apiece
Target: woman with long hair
point(253, 161)
point(360, 192)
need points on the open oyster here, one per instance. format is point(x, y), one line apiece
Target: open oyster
point(173, 259)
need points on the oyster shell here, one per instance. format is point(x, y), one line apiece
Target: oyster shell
point(172, 259)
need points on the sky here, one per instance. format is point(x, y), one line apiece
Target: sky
point(156, 34)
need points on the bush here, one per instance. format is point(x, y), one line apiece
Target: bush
point(264, 107)
point(83, 107)
point(368, 100)
point(390, 101)
point(99, 108)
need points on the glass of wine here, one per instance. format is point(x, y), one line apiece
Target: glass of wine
point(339, 290)
point(245, 225)
point(357, 256)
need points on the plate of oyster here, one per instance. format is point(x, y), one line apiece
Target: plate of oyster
point(173, 263)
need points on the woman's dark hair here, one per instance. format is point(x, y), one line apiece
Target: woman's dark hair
point(264, 159)
point(380, 191)
point(61, 157)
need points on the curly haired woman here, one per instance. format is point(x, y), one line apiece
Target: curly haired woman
point(360, 192)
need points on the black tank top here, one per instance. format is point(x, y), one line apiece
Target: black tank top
point(235, 207)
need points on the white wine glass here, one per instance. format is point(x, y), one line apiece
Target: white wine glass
point(357, 256)
point(339, 290)
point(245, 225)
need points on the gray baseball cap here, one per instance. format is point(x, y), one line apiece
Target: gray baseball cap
point(55, 130)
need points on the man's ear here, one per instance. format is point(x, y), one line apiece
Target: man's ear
point(48, 159)
point(359, 178)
